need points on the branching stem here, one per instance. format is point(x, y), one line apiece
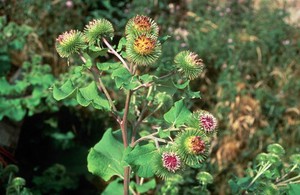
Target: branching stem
point(291, 180)
point(101, 86)
point(261, 170)
point(293, 168)
point(113, 51)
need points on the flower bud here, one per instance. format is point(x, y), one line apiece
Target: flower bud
point(97, 29)
point(70, 42)
point(189, 64)
point(141, 25)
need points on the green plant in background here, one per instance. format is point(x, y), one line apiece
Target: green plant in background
point(270, 174)
point(13, 38)
point(13, 184)
point(27, 91)
point(154, 137)
point(252, 81)
point(53, 180)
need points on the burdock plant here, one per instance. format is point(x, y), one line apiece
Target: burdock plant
point(158, 135)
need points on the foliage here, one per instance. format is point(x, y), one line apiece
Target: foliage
point(269, 174)
point(14, 185)
point(13, 39)
point(53, 180)
point(26, 91)
point(110, 156)
point(251, 54)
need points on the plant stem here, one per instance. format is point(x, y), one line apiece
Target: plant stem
point(166, 76)
point(262, 169)
point(111, 50)
point(151, 136)
point(149, 84)
point(293, 168)
point(124, 121)
point(137, 123)
point(101, 86)
point(291, 180)
point(123, 125)
point(82, 58)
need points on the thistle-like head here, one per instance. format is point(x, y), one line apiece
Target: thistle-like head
point(70, 42)
point(141, 25)
point(189, 64)
point(97, 29)
point(143, 49)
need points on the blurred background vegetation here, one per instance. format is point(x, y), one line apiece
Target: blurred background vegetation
point(251, 49)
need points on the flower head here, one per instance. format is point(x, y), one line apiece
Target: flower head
point(69, 42)
point(207, 121)
point(141, 25)
point(192, 146)
point(167, 163)
point(144, 45)
point(143, 50)
point(97, 29)
point(189, 64)
point(196, 145)
point(171, 161)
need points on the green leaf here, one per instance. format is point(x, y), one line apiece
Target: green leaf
point(12, 109)
point(244, 181)
point(105, 159)
point(108, 65)
point(192, 94)
point(146, 78)
point(89, 63)
point(163, 134)
point(145, 187)
point(95, 51)
point(87, 95)
point(205, 177)
point(165, 86)
point(233, 186)
point(276, 149)
point(121, 44)
point(295, 159)
point(181, 86)
point(178, 114)
point(123, 78)
point(164, 38)
point(66, 90)
point(294, 189)
point(139, 158)
point(115, 187)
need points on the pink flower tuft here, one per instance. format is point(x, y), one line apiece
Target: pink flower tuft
point(208, 122)
point(171, 161)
